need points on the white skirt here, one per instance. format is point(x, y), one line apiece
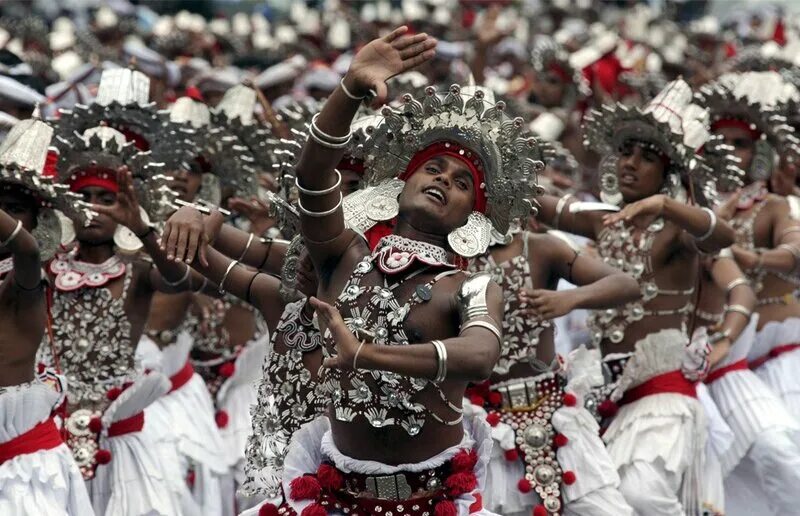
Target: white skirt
point(780, 373)
point(46, 482)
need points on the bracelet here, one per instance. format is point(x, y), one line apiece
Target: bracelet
point(180, 281)
point(325, 143)
point(712, 225)
point(328, 137)
point(267, 242)
point(225, 276)
point(719, 335)
point(319, 193)
point(246, 247)
point(740, 310)
point(202, 285)
point(738, 282)
point(441, 361)
point(319, 214)
point(562, 202)
point(355, 358)
point(13, 234)
point(793, 251)
point(149, 230)
point(347, 92)
point(483, 324)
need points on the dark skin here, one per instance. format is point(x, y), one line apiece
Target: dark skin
point(335, 250)
point(22, 304)
point(641, 173)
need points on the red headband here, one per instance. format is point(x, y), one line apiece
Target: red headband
point(559, 71)
point(94, 176)
point(459, 152)
point(735, 122)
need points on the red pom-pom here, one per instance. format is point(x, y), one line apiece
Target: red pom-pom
point(329, 477)
point(570, 400)
point(477, 400)
point(40, 367)
point(194, 93)
point(227, 369)
point(539, 510)
point(113, 393)
point(304, 488)
point(314, 509)
point(524, 485)
point(268, 509)
point(102, 456)
point(511, 455)
point(607, 408)
point(221, 418)
point(445, 508)
point(190, 478)
point(568, 477)
point(560, 440)
point(95, 425)
point(460, 483)
point(465, 460)
point(495, 398)
point(493, 418)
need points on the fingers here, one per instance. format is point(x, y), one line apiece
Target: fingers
point(168, 242)
point(191, 249)
point(183, 244)
point(403, 43)
point(202, 251)
point(417, 48)
point(418, 60)
point(396, 33)
point(380, 97)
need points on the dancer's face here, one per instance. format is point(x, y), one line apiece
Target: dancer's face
point(19, 205)
point(101, 229)
point(742, 142)
point(186, 183)
point(640, 171)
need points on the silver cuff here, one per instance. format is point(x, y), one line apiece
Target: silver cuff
point(472, 297)
point(483, 324)
point(712, 225)
point(441, 361)
point(562, 202)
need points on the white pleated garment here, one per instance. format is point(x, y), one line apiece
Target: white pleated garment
point(780, 373)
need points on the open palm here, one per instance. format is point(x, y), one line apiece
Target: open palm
point(126, 210)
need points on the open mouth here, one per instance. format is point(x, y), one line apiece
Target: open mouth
point(436, 193)
point(627, 179)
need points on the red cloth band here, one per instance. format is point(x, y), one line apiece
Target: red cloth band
point(180, 378)
point(459, 152)
point(135, 423)
point(716, 374)
point(43, 436)
point(93, 176)
point(671, 382)
point(734, 122)
point(560, 72)
point(773, 353)
point(478, 505)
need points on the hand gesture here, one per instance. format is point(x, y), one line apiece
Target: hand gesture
point(346, 343)
point(544, 305)
point(126, 210)
point(640, 213)
point(727, 209)
point(384, 58)
point(747, 260)
point(185, 236)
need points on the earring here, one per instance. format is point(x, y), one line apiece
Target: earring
point(67, 228)
point(472, 238)
point(125, 240)
point(764, 157)
point(609, 183)
point(47, 233)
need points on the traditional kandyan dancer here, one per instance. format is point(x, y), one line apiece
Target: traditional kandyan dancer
point(748, 111)
point(657, 437)
point(37, 472)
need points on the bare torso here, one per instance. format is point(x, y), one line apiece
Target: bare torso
point(22, 319)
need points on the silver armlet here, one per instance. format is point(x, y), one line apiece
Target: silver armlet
point(472, 297)
point(225, 276)
point(738, 282)
point(441, 361)
point(319, 214)
point(483, 324)
point(327, 140)
point(246, 247)
point(712, 225)
point(13, 234)
point(739, 309)
point(562, 202)
point(180, 281)
point(319, 193)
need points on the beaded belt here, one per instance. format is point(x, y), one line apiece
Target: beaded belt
point(399, 486)
point(527, 393)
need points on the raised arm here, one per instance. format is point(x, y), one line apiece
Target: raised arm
point(27, 272)
point(322, 220)
point(740, 303)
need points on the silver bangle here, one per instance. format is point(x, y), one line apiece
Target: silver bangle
point(712, 225)
point(319, 214)
point(202, 285)
point(559, 208)
point(739, 309)
point(13, 234)
point(326, 143)
point(355, 358)
point(441, 361)
point(319, 193)
point(738, 282)
point(225, 276)
point(246, 247)
point(180, 281)
point(483, 324)
point(329, 137)
point(347, 92)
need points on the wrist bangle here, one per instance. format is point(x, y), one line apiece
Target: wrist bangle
point(355, 358)
point(739, 309)
point(225, 276)
point(347, 92)
point(441, 361)
point(712, 225)
point(144, 235)
point(13, 234)
point(319, 193)
point(202, 285)
point(326, 143)
point(329, 137)
point(246, 247)
point(180, 281)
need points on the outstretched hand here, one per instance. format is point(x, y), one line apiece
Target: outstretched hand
point(346, 343)
point(640, 213)
point(126, 210)
point(544, 305)
point(185, 236)
point(384, 58)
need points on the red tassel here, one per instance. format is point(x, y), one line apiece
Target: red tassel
point(95, 425)
point(495, 398)
point(493, 418)
point(570, 400)
point(560, 440)
point(268, 509)
point(227, 369)
point(607, 408)
point(113, 393)
point(102, 456)
point(329, 477)
point(221, 418)
point(194, 93)
point(460, 483)
point(524, 485)
point(465, 460)
point(568, 477)
point(477, 400)
point(445, 508)
point(539, 510)
point(190, 478)
point(304, 488)
point(314, 509)
point(40, 367)
point(511, 455)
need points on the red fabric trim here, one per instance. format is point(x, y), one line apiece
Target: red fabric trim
point(130, 425)
point(478, 505)
point(735, 122)
point(670, 382)
point(452, 149)
point(773, 353)
point(50, 163)
point(716, 374)
point(93, 176)
point(43, 436)
point(182, 377)
point(138, 140)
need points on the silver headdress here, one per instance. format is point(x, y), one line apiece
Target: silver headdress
point(509, 159)
point(764, 100)
point(546, 54)
point(23, 155)
point(677, 128)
